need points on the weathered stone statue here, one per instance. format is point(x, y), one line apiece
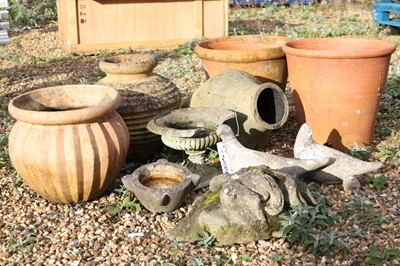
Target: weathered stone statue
point(243, 207)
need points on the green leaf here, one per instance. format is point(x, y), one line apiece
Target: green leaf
point(115, 208)
point(119, 190)
point(244, 257)
point(286, 230)
point(12, 243)
point(373, 260)
point(137, 207)
point(392, 253)
point(373, 252)
point(126, 201)
point(322, 223)
point(197, 262)
point(294, 235)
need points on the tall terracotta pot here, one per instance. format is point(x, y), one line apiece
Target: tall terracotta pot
point(68, 143)
point(337, 85)
point(260, 107)
point(259, 55)
point(145, 94)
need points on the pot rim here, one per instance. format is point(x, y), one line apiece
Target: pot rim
point(258, 48)
point(338, 48)
point(84, 107)
point(214, 116)
point(285, 114)
point(128, 63)
point(186, 176)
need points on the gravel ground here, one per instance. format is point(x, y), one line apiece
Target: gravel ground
point(44, 233)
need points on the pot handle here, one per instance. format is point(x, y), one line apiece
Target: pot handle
point(195, 179)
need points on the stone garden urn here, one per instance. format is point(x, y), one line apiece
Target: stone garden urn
point(145, 94)
point(68, 143)
point(337, 85)
point(192, 130)
point(259, 55)
point(161, 186)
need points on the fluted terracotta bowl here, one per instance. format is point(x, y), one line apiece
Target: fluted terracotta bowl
point(68, 143)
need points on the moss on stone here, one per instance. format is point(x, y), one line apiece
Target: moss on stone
point(211, 197)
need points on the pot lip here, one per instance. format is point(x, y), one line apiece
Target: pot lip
point(373, 48)
point(187, 177)
point(161, 124)
point(128, 63)
point(78, 115)
point(280, 123)
point(269, 51)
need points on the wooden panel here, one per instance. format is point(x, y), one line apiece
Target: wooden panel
point(107, 22)
point(215, 18)
point(67, 23)
point(152, 44)
point(198, 18)
point(158, 23)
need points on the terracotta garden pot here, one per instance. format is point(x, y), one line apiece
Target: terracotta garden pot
point(259, 55)
point(68, 143)
point(145, 95)
point(337, 85)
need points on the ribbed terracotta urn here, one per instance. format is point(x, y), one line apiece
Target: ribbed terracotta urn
point(258, 55)
point(337, 85)
point(68, 143)
point(145, 94)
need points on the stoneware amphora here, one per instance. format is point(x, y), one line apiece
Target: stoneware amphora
point(260, 107)
point(259, 55)
point(337, 85)
point(68, 143)
point(144, 95)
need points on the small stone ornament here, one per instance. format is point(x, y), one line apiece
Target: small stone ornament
point(344, 168)
point(161, 186)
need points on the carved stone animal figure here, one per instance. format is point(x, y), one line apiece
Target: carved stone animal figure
point(344, 169)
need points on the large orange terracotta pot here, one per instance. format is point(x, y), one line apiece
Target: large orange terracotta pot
point(258, 55)
point(68, 143)
point(337, 85)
